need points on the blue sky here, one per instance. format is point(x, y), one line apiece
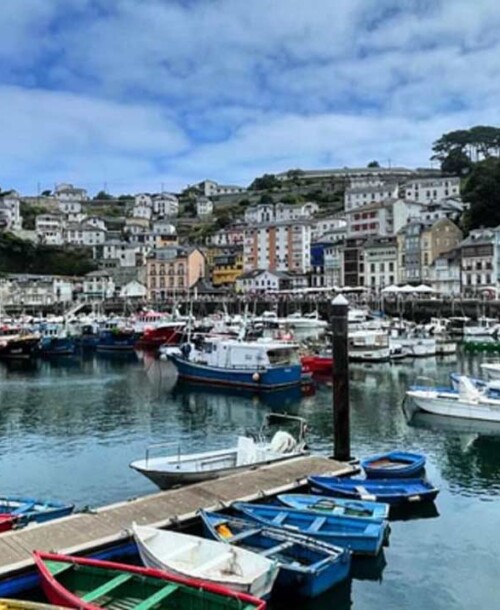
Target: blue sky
point(139, 93)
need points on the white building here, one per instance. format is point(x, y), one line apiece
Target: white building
point(10, 205)
point(446, 208)
point(278, 247)
point(431, 190)
point(165, 205)
point(372, 219)
point(380, 262)
point(230, 236)
point(84, 235)
point(120, 253)
point(265, 280)
point(95, 221)
point(279, 212)
point(133, 290)
point(67, 192)
point(72, 210)
point(29, 290)
point(98, 285)
point(320, 227)
point(478, 260)
point(50, 228)
point(356, 196)
point(210, 188)
point(204, 207)
point(142, 210)
point(445, 273)
point(334, 264)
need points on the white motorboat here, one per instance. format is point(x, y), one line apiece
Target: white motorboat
point(491, 369)
point(309, 320)
point(468, 403)
point(368, 346)
point(484, 327)
point(183, 469)
point(202, 559)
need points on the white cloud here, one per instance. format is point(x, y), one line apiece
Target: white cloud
point(139, 90)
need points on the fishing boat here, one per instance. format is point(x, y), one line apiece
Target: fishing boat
point(375, 511)
point(468, 402)
point(393, 464)
point(57, 346)
point(317, 364)
point(29, 510)
point(116, 340)
point(389, 491)
point(307, 567)
point(198, 558)
point(87, 584)
point(248, 453)
point(361, 536)
point(16, 344)
point(265, 366)
point(19, 604)
point(369, 346)
point(167, 333)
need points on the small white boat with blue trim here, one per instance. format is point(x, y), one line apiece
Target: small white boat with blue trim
point(202, 559)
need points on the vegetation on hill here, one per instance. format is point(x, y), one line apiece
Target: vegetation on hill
point(474, 155)
point(21, 256)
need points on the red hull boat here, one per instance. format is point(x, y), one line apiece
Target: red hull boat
point(317, 365)
point(153, 338)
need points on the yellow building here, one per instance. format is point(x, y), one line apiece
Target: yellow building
point(172, 271)
point(226, 267)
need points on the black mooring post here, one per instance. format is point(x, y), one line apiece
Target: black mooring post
point(340, 378)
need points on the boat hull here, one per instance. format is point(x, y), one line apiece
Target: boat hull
point(57, 346)
point(317, 365)
point(259, 380)
point(116, 342)
point(393, 465)
point(19, 349)
point(308, 568)
point(452, 406)
point(375, 511)
point(360, 536)
point(389, 491)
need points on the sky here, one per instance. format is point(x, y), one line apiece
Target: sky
point(140, 95)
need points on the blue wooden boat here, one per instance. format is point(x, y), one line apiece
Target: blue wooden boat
point(375, 511)
point(30, 510)
point(116, 340)
point(393, 464)
point(57, 346)
point(307, 567)
point(242, 364)
point(361, 536)
point(391, 491)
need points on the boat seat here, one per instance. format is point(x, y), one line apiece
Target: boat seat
point(276, 549)
point(184, 549)
point(364, 493)
point(214, 561)
point(245, 534)
point(157, 597)
point(280, 517)
point(317, 524)
point(105, 588)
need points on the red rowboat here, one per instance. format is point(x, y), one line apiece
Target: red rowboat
point(89, 584)
point(7, 522)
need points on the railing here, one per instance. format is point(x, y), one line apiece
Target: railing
point(158, 445)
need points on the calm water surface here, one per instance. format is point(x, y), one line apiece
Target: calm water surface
point(69, 429)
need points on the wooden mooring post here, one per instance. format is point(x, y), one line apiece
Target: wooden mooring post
point(340, 379)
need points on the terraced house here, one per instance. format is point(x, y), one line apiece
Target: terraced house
point(173, 270)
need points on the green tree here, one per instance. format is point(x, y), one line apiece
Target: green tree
point(456, 163)
point(373, 164)
point(266, 198)
point(266, 182)
point(103, 196)
point(482, 191)
point(46, 193)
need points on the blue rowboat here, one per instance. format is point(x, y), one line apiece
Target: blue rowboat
point(391, 491)
point(375, 511)
point(361, 536)
point(29, 510)
point(307, 567)
point(393, 464)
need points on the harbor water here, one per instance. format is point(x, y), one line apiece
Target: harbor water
point(69, 429)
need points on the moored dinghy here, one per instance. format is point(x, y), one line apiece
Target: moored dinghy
point(87, 584)
point(391, 491)
point(18, 604)
point(29, 510)
point(194, 557)
point(307, 567)
point(375, 511)
point(358, 535)
point(393, 464)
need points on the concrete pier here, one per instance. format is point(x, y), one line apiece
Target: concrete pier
point(84, 532)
